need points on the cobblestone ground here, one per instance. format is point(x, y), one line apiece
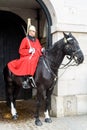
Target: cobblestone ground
point(26, 119)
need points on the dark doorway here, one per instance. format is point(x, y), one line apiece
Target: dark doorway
point(11, 34)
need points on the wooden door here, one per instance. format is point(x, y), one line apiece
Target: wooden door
point(11, 34)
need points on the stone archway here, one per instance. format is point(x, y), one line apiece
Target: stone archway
point(50, 14)
point(8, 53)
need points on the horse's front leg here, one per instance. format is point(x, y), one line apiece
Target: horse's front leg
point(38, 105)
point(48, 106)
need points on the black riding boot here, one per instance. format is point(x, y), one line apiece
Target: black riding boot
point(28, 82)
point(32, 82)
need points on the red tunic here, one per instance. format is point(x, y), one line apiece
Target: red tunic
point(27, 63)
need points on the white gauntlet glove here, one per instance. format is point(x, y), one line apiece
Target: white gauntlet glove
point(43, 50)
point(32, 50)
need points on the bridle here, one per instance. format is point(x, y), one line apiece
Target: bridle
point(65, 66)
point(70, 58)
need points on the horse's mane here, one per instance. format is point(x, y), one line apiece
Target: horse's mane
point(57, 45)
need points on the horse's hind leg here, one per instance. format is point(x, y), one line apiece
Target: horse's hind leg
point(48, 106)
point(11, 98)
point(13, 102)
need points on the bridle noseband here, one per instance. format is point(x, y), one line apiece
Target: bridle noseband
point(74, 53)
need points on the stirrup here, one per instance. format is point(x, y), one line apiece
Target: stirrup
point(32, 82)
point(25, 86)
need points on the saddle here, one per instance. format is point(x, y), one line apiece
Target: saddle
point(27, 81)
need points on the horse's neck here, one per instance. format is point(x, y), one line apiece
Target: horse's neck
point(56, 54)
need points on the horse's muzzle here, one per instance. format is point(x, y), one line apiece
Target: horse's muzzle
point(79, 58)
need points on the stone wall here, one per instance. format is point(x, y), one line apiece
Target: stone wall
point(70, 93)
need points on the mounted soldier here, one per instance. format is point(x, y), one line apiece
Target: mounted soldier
point(46, 74)
point(30, 50)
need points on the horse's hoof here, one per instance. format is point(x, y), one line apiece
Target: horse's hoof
point(48, 120)
point(38, 122)
point(15, 117)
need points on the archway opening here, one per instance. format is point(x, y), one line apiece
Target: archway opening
point(12, 26)
point(11, 33)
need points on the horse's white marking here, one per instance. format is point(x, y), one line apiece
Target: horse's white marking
point(13, 110)
point(46, 114)
point(69, 39)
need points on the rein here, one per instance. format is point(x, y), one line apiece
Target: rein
point(67, 64)
point(64, 65)
point(48, 68)
point(70, 59)
point(51, 72)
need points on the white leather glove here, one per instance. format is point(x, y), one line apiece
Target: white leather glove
point(31, 50)
point(43, 50)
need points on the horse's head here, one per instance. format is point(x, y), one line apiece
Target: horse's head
point(72, 48)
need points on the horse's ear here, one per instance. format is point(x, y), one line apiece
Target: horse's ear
point(70, 34)
point(65, 35)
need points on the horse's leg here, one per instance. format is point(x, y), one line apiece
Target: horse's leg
point(13, 111)
point(11, 99)
point(13, 104)
point(38, 104)
point(48, 106)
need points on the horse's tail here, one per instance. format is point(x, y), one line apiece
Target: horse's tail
point(6, 77)
point(5, 73)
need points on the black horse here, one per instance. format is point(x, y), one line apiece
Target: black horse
point(45, 75)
